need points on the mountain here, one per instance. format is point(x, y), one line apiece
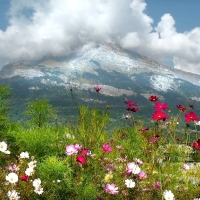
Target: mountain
point(122, 75)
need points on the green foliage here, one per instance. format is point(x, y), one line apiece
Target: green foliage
point(40, 112)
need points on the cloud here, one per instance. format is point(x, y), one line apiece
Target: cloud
point(58, 28)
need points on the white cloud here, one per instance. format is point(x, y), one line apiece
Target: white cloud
point(59, 27)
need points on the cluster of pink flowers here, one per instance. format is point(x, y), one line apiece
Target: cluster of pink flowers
point(77, 149)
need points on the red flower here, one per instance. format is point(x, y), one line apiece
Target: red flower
point(160, 106)
point(24, 177)
point(196, 145)
point(159, 115)
point(181, 108)
point(154, 139)
point(81, 159)
point(97, 88)
point(84, 151)
point(191, 106)
point(106, 148)
point(153, 98)
point(130, 103)
point(191, 117)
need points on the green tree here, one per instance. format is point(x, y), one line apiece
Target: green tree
point(5, 92)
point(40, 111)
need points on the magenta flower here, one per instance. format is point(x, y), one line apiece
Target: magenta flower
point(154, 139)
point(81, 159)
point(196, 145)
point(160, 106)
point(97, 88)
point(106, 148)
point(191, 106)
point(130, 103)
point(142, 175)
point(111, 189)
point(181, 108)
point(84, 151)
point(24, 177)
point(138, 161)
point(157, 185)
point(191, 117)
point(71, 149)
point(159, 115)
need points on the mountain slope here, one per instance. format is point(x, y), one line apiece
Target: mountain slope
point(121, 74)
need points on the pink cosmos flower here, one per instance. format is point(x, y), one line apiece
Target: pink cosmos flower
point(106, 148)
point(154, 139)
point(157, 185)
point(119, 147)
point(130, 103)
point(111, 189)
point(160, 106)
point(71, 149)
point(191, 117)
point(97, 88)
point(142, 175)
point(81, 159)
point(13, 168)
point(132, 168)
point(84, 151)
point(138, 161)
point(159, 115)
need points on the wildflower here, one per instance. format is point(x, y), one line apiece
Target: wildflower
point(24, 177)
point(30, 171)
point(119, 147)
point(3, 147)
point(196, 145)
point(142, 175)
point(129, 183)
point(159, 115)
point(108, 177)
point(106, 148)
point(186, 166)
point(132, 168)
point(70, 89)
point(32, 163)
point(160, 106)
point(109, 166)
point(36, 182)
point(97, 88)
point(111, 189)
point(84, 151)
point(13, 168)
point(144, 129)
point(191, 106)
point(81, 159)
point(154, 139)
point(13, 195)
point(153, 98)
point(39, 190)
point(191, 117)
point(157, 185)
point(168, 195)
point(12, 177)
point(24, 155)
point(77, 146)
point(133, 109)
point(138, 161)
point(71, 149)
point(197, 123)
point(181, 108)
point(130, 103)
point(127, 116)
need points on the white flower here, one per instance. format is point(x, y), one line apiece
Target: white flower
point(30, 171)
point(12, 177)
point(32, 163)
point(197, 123)
point(39, 190)
point(3, 147)
point(37, 182)
point(24, 155)
point(168, 195)
point(129, 183)
point(13, 195)
point(133, 168)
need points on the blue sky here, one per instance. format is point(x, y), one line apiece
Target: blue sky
point(166, 30)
